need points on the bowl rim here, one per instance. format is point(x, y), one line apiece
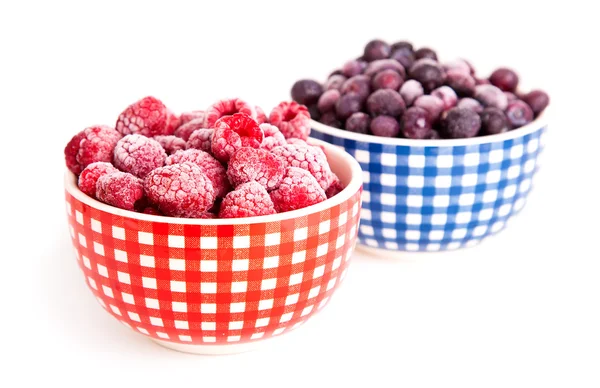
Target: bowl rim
point(356, 182)
point(540, 122)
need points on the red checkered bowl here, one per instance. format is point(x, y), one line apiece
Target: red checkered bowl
point(214, 286)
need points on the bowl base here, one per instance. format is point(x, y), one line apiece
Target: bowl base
point(210, 350)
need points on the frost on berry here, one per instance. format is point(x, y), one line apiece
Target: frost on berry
point(173, 122)
point(251, 164)
point(151, 210)
point(234, 132)
point(224, 108)
point(180, 190)
point(201, 139)
point(209, 166)
point(185, 130)
point(335, 188)
point(309, 158)
point(292, 119)
point(273, 136)
point(93, 144)
point(186, 117)
point(298, 189)
point(90, 175)
point(261, 117)
point(296, 141)
point(138, 155)
point(247, 200)
point(148, 117)
point(119, 189)
point(171, 144)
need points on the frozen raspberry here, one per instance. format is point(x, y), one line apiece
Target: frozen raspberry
point(306, 91)
point(151, 210)
point(201, 139)
point(180, 190)
point(173, 122)
point(226, 108)
point(296, 141)
point(273, 136)
point(138, 155)
point(234, 132)
point(171, 144)
point(261, 117)
point(309, 158)
point(209, 166)
point(250, 164)
point(335, 188)
point(385, 64)
point(185, 130)
point(148, 117)
point(297, 190)
point(292, 119)
point(489, 95)
point(247, 200)
point(119, 189)
point(432, 104)
point(410, 91)
point(447, 95)
point(186, 117)
point(89, 176)
point(93, 144)
point(207, 215)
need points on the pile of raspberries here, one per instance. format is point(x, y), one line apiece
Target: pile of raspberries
point(229, 161)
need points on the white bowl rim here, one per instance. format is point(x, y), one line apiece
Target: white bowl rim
point(540, 122)
point(351, 189)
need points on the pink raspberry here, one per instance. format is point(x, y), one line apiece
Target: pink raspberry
point(90, 175)
point(296, 141)
point(259, 165)
point(151, 210)
point(119, 189)
point(261, 117)
point(201, 139)
point(186, 117)
point(93, 144)
point(247, 200)
point(208, 215)
point(148, 117)
point(180, 190)
point(185, 130)
point(297, 190)
point(171, 144)
point(273, 136)
point(292, 119)
point(173, 122)
point(138, 154)
point(226, 108)
point(335, 188)
point(234, 132)
point(309, 158)
point(209, 166)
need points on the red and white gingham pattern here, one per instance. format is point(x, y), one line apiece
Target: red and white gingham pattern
point(199, 284)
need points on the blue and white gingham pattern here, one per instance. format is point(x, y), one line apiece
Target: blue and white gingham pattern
point(438, 198)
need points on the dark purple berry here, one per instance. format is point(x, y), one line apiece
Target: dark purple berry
point(331, 119)
point(348, 104)
point(470, 103)
point(428, 72)
point(410, 91)
point(447, 95)
point(425, 52)
point(461, 123)
point(433, 135)
point(353, 67)
point(376, 49)
point(385, 126)
point(457, 64)
point(386, 102)
point(336, 72)
point(335, 82)
point(306, 91)
point(489, 95)
point(505, 79)
point(359, 122)
point(493, 121)
point(510, 96)
point(402, 45)
point(314, 112)
point(482, 81)
point(385, 64)
point(432, 104)
point(462, 83)
point(405, 56)
point(328, 100)
point(538, 100)
point(359, 84)
point(415, 123)
point(387, 79)
point(519, 113)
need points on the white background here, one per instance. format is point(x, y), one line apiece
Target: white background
point(519, 310)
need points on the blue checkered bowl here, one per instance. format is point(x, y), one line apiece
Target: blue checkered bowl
point(432, 195)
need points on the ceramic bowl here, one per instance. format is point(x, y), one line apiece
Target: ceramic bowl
point(222, 285)
point(432, 195)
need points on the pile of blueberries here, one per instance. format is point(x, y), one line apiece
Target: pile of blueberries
point(397, 91)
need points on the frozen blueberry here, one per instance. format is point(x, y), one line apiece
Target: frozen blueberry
point(470, 103)
point(336, 72)
point(462, 83)
point(426, 52)
point(461, 123)
point(415, 123)
point(538, 100)
point(328, 100)
point(433, 135)
point(447, 95)
point(510, 96)
point(505, 79)
point(331, 119)
point(385, 126)
point(359, 122)
point(428, 72)
point(359, 84)
point(353, 67)
point(386, 102)
point(457, 64)
point(410, 91)
point(490, 95)
point(347, 104)
point(432, 104)
point(387, 79)
point(493, 121)
point(482, 81)
point(518, 113)
point(385, 64)
point(306, 91)
point(314, 112)
point(402, 45)
point(334, 82)
point(405, 56)
point(376, 49)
